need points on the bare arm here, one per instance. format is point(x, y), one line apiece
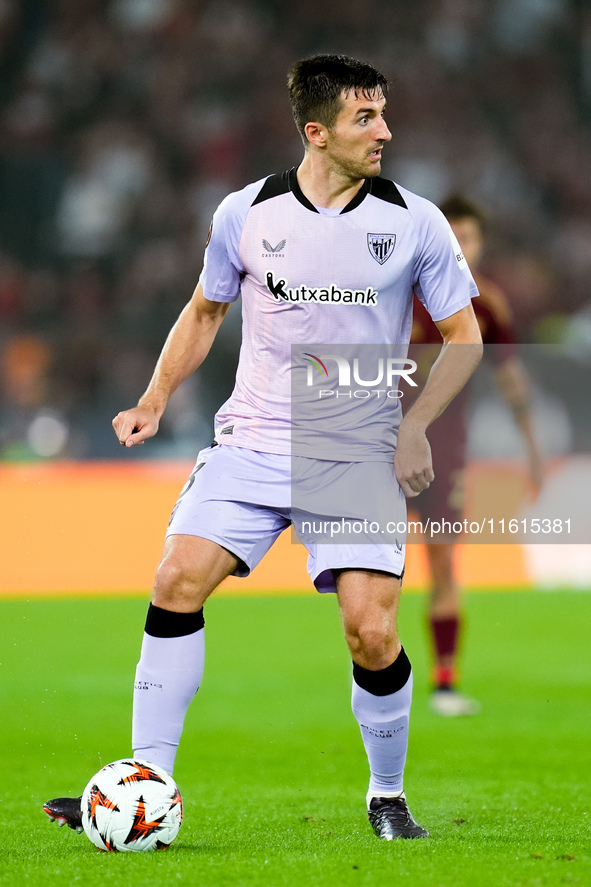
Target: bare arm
point(186, 347)
point(449, 374)
point(514, 386)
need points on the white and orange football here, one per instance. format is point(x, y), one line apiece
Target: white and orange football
point(132, 805)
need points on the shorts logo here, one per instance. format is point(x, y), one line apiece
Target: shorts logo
point(381, 246)
point(273, 250)
point(332, 294)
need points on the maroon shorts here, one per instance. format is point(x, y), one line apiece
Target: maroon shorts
point(444, 500)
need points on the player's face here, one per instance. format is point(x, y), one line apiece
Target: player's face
point(470, 239)
point(354, 145)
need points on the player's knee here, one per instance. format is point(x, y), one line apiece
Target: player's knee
point(372, 646)
point(175, 586)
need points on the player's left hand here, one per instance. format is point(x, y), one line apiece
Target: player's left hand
point(412, 460)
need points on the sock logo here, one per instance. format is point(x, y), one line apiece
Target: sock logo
point(382, 734)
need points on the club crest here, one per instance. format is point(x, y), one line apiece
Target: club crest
point(381, 246)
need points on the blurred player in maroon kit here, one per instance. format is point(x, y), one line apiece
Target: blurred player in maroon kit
point(444, 499)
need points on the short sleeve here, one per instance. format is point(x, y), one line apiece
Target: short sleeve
point(222, 267)
point(443, 281)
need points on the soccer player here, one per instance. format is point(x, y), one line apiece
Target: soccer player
point(447, 436)
point(328, 252)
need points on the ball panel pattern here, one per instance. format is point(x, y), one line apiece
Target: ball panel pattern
point(131, 805)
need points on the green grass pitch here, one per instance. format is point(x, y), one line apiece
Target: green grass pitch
point(271, 766)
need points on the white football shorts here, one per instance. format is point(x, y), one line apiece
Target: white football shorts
point(242, 499)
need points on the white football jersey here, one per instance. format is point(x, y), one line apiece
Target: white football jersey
point(311, 275)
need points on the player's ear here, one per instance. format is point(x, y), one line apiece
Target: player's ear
point(316, 133)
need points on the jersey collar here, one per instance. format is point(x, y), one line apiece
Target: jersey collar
point(294, 187)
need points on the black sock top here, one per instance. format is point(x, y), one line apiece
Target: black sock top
point(167, 624)
point(386, 680)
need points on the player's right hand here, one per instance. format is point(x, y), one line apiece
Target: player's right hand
point(133, 427)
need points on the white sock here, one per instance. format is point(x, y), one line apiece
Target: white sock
point(383, 721)
point(167, 678)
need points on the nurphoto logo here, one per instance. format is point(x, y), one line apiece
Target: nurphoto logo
point(388, 371)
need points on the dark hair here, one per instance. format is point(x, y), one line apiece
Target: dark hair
point(315, 86)
point(456, 207)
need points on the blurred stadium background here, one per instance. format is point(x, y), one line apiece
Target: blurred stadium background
point(122, 125)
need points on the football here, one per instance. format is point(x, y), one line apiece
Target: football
point(132, 805)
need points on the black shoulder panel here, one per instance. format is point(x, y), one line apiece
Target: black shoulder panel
point(273, 187)
point(386, 190)
point(285, 182)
